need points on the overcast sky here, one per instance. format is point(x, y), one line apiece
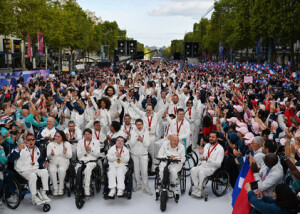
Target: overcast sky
point(151, 22)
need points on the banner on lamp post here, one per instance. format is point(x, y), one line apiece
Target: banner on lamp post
point(29, 53)
point(40, 44)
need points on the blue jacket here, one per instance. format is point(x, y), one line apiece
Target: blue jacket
point(266, 205)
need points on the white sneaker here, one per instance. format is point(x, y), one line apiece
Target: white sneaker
point(45, 197)
point(55, 192)
point(147, 191)
point(195, 192)
point(60, 192)
point(112, 192)
point(87, 192)
point(36, 200)
point(137, 188)
point(120, 192)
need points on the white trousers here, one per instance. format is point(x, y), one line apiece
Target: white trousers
point(59, 169)
point(173, 169)
point(140, 168)
point(151, 149)
point(32, 176)
point(87, 174)
point(195, 132)
point(116, 176)
point(199, 173)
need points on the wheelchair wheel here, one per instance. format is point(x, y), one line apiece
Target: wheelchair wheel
point(163, 201)
point(156, 178)
point(79, 201)
point(12, 193)
point(46, 207)
point(220, 183)
point(98, 182)
point(182, 181)
point(196, 158)
point(189, 164)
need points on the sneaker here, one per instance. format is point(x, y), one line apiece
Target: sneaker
point(60, 192)
point(147, 191)
point(195, 192)
point(36, 200)
point(120, 192)
point(87, 192)
point(55, 192)
point(45, 197)
point(112, 192)
point(137, 188)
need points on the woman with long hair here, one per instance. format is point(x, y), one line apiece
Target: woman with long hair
point(59, 153)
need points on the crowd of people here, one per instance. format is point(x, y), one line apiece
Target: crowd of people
point(160, 109)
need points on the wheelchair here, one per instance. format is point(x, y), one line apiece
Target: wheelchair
point(219, 183)
point(95, 185)
point(191, 159)
point(16, 187)
point(163, 186)
point(128, 181)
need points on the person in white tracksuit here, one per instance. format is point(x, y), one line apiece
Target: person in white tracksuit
point(139, 152)
point(28, 162)
point(174, 150)
point(73, 135)
point(151, 120)
point(118, 157)
point(59, 153)
point(88, 149)
point(213, 155)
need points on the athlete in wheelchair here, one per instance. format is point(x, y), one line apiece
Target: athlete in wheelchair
point(29, 170)
point(172, 157)
point(118, 171)
point(209, 169)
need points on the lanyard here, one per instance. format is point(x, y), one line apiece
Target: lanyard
point(71, 136)
point(210, 151)
point(178, 128)
point(190, 111)
point(175, 110)
point(96, 135)
point(32, 155)
point(150, 121)
point(130, 128)
point(85, 143)
point(267, 172)
point(118, 151)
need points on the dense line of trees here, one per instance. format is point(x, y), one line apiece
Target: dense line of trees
point(63, 26)
point(239, 24)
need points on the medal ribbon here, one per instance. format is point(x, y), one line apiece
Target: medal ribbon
point(150, 121)
point(210, 151)
point(178, 128)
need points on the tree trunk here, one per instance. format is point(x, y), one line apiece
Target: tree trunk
point(59, 60)
point(23, 56)
point(71, 61)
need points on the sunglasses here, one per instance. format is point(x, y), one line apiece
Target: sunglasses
point(30, 139)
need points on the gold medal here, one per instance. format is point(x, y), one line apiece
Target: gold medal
point(32, 163)
point(118, 161)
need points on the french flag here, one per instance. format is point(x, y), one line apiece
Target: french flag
point(286, 79)
point(240, 202)
point(294, 75)
point(271, 72)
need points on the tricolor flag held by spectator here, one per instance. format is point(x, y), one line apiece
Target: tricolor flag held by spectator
point(294, 75)
point(286, 79)
point(271, 72)
point(240, 202)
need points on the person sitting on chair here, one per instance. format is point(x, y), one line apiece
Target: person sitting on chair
point(88, 149)
point(59, 153)
point(28, 162)
point(174, 150)
point(118, 157)
point(213, 155)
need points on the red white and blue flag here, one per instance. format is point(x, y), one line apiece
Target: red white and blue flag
point(240, 202)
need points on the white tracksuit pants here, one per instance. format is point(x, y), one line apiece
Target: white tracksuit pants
point(195, 133)
point(140, 168)
point(31, 177)
point(116, 176)
point(199, 173)
point(87, 174)
point(173, 169)
point(60, 169)
point(151, 150)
